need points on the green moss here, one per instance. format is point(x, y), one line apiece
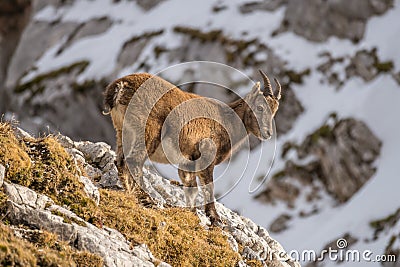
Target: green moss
point(36, 84)
point(68, 219)
point(158, 50)
point(324, 131)
point(297, 77)
point(384, 66)
point(146, 35)
point(230, 56)
point(391, 242)
point(287, 147)
point(278, 175)
point(198, 34)
point(83, 87)
point(388, 220)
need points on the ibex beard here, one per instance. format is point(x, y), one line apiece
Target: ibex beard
point(156, 120)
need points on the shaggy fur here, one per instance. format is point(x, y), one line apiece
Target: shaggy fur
point(196, 144)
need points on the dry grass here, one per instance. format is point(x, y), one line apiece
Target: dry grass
point(41, 249)
point(174, 235)
point(43, 165)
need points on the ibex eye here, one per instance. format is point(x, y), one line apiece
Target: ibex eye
point(260, 108)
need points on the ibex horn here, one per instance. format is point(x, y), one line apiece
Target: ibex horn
point(278, 89)
point(267, 84)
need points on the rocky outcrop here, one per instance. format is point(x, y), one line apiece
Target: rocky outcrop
point(14, 15)
point(341, 243)
point(367, 65)
point(317, 20)
point(289, 110)
point(25, 207)
point(346, 152)
point(364, 64)
point(339, 160)
point(58, 91)
point(132, 49)
point(37, 211)
point(388, 228)
point(261, 6)
point(343, 156)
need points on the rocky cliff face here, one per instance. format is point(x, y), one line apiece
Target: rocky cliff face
point(336, 124)
point(317, 20)
point(26, 210)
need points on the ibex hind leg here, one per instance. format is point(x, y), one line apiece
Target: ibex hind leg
point(190, 187)
point(119, 162)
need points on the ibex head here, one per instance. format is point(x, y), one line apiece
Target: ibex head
point(262, 107)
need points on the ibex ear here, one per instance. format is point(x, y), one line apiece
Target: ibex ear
point(256, 89)
point(278, 89)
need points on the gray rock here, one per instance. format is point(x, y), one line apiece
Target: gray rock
point(33, 210)
point(317, 20)
point(148, 4)
point(2, 174)
point(232, 242)
point(31, 48)
point(367, 65)
point(91, 190)
point(92, 27)
point(24, 196)
point(97, 160)
point(261, 6)
point(14, 16)
point(344, 152)
point(280, 223)
point(289, 110)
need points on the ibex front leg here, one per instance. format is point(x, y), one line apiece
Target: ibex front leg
point(190, 187)
point(206, 180)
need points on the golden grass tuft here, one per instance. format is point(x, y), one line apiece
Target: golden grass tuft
point(41, 249)
point(174, 235)
point(43, 165)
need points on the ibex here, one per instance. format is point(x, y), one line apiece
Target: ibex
point(202, 130)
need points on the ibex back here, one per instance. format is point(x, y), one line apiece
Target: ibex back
point(197, 132)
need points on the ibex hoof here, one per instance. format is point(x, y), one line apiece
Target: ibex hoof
point(216, 221)
point(119, 162)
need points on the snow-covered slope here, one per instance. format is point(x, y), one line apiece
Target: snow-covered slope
point(156, 44)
